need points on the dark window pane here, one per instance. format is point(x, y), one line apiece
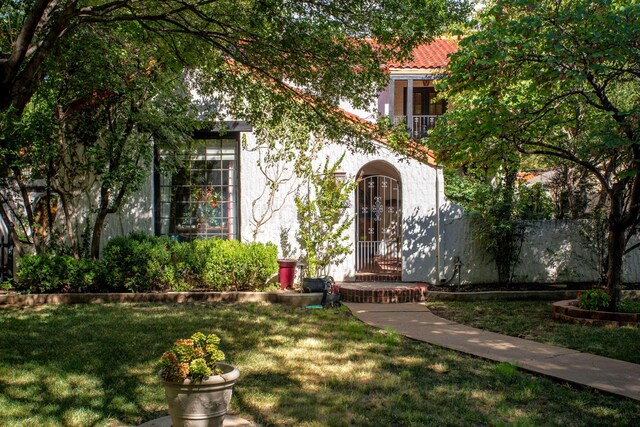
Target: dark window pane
point(195, 201)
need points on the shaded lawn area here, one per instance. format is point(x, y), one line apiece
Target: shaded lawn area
point(89, 365)
point(532, 320)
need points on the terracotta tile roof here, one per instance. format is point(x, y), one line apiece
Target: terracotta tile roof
point(430, 55)
point(413, 149)
point(527, 176)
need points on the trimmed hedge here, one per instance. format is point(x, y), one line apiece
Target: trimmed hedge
point(142, 263)
point(50, 273)
point(136, 263)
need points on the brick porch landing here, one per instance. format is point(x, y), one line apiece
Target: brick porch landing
point(383, 276)
point(382, 292)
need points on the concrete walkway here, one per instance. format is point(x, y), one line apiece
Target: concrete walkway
point(415, 321)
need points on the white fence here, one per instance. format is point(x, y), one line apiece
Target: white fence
point(552, 251)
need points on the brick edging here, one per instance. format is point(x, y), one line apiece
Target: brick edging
point(294, 299)
point(567, 311)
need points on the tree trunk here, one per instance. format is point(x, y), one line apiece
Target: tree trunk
point(28, 208)
point(12, 230)
point(98, 225)
point(71, 237)
point(96, 235)
point(616, 243)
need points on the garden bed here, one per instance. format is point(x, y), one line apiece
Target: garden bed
point(567, 311)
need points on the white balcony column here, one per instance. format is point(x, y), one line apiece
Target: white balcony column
point(410, 107)
point(392, 99)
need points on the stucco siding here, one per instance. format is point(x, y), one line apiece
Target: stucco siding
point(135, 215)
point(418, 202)
point(553, 251)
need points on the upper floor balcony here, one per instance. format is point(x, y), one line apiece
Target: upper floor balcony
point(412, 100)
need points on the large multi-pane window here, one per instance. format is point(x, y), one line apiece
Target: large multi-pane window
point(199, 200)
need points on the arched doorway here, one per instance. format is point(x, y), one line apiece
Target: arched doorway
point(379, 223)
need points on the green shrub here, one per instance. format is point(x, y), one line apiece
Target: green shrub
point(136, 263)
point(178, 274)
point(229, 264)
point(593, 299)
point(628, 305)
point(55, 273)
point(141, 263)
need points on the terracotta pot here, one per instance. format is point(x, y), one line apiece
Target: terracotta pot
point(201, 403)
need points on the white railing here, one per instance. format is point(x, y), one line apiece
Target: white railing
point(421, 125)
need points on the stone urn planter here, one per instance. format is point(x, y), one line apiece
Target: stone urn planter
point(201, 403)
point(198, 386)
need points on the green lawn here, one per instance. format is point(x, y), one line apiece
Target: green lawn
point(532, 320)
point(92, 365)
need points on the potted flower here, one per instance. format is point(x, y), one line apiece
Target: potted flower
point(197, 385)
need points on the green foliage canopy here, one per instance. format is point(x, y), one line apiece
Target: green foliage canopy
point(554, 78)
point(99, 78)
point(313, 45)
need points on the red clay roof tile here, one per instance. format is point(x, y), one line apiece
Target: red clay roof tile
point(430, 55)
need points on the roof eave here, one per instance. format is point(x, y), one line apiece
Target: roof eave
point(435, 72)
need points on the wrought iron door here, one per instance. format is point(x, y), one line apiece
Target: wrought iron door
point(379, 232)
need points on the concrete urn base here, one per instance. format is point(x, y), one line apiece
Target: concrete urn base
point(201, 403)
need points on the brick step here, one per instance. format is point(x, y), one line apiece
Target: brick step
point(378, 277)
point(382, 293)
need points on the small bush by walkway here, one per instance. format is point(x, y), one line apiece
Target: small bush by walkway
point(95, 365)
point(532, 320)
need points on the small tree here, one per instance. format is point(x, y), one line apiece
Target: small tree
point(322, 219)
point(500, 210)
point(86, 140)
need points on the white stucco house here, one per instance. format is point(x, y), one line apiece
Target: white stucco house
point(403, 227)
point(393, 235)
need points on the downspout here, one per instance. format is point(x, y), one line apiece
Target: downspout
point(438, 231)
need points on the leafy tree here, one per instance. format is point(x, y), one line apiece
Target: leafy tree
point(559, 79)
point(87, 138)
point(310, 44)
point(501, 209)
point(65, 93)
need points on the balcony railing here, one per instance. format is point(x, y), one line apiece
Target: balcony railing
point(420, 126)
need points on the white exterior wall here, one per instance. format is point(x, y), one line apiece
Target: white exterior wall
point(553, 251)
point(135, 215)
point(370, 114)
point(418, 203)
